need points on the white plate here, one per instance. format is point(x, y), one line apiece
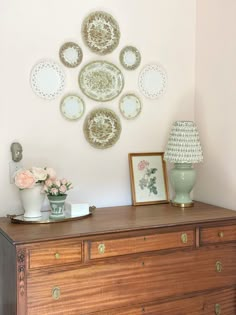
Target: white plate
point(101, 32)
point(47, 79)
point(152, 81)
point(102, 128)
point(130, 106)
point(101, 81)
point(130, 57)
point(72, 107)
point(70, 54)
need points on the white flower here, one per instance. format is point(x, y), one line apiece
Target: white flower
point(39, 173)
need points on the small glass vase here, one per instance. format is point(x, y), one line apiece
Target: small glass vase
point(32, 201)
point(57, 204)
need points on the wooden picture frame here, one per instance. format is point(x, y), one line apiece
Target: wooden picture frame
point(148, 178)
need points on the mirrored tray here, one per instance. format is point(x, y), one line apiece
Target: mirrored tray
point(47, 79)
point(130, 106)
point(70, 54)
point(46, 219)
point(101, 32)
point(130, 57)
point(152, 81)
point(101, 81)
point(72, 107)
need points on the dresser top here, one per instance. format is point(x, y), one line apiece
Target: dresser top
point(117, 219)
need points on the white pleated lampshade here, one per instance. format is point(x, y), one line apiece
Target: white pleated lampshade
point(183, 144)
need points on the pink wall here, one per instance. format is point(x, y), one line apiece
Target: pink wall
point(215, 104)
point(163, 31)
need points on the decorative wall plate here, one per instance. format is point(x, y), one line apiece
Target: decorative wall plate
point(152, 81)
point(72, 107)
point(130, 57)
point(130, 106)
point(102, 128)
point(70, 54)
point(47, 79)
point(101, 32)
point(101, 81)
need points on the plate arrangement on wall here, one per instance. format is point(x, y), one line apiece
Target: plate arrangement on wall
point(99, 80)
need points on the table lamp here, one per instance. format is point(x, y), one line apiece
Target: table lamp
point(183, 149)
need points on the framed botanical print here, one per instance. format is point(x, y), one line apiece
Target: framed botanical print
point(148, 178)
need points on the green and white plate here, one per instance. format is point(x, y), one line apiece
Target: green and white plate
point(70, 54)
point(130, 106)
point(130, 57)
point(101, 81)
point(101, 32)
point(72, 107)
point(102, 128)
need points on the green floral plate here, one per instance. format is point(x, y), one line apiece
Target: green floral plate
point(101, 81)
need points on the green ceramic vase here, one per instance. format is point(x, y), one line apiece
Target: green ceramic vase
point(182, 178)
point(57, 204)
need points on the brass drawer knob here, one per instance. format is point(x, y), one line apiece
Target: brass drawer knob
point(221, 234)
point(184, 238)
point(57, 255)
point(101, 248)
point(217, 309)
point(219, 266)
point(56, 292)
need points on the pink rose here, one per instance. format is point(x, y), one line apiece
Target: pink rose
point(62, 189)
point(48, 182)
point(142, 165)
point(54, 191)
point(57, 183)
point(24, 179)
point(51, 173)
point(39, 173)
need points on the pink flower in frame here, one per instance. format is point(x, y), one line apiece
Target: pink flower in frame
point(142, 165)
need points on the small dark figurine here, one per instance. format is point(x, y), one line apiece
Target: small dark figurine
point(16, 151)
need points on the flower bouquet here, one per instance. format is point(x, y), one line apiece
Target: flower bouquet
point(30, 183)
point(56, 192)
point(28, 178)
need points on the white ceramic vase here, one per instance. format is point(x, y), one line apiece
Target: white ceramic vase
point(32, 201)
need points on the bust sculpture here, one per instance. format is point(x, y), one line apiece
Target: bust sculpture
point(16, 151)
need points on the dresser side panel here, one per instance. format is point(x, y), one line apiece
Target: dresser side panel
point(7, 277)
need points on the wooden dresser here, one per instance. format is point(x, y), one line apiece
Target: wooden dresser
point(154, 259)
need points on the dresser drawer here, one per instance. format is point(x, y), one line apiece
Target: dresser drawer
point(222, 302)
point(218, 234)
point(54, 253)
point(135, 280)
point(139, 244)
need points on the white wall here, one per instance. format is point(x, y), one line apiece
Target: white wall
point(215, 108)
point(163, 31)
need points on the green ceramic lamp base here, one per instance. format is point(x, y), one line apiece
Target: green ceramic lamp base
point(182, 178)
